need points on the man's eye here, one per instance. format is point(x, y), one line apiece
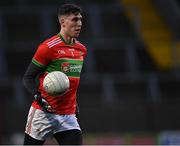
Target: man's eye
point(75, 19)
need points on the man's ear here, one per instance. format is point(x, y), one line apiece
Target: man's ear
point(61, 21)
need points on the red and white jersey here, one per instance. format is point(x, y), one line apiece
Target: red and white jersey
point(55, 54)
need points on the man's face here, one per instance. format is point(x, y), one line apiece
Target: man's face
point(71, 24)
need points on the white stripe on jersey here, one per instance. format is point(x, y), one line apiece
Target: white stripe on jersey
point(58, 42)
point(52, 41)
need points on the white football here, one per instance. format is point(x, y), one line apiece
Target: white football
point(56, 83)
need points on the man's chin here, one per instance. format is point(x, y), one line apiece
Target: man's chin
point(75, 36)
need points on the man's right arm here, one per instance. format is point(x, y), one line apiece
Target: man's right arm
point(29, 81)
point(36, 67)
point(29, 78)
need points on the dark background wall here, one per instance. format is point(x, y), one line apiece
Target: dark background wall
point(122, 88)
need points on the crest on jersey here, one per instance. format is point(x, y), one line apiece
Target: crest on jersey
point(65, 67)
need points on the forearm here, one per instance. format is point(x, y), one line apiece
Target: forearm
point(29, 81)
point(29, 78)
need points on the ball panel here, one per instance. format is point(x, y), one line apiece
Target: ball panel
point(49, 85)
point(56, 83)
point(52, 86)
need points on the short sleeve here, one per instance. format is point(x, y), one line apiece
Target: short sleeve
point(83, 49)
point(42, 56)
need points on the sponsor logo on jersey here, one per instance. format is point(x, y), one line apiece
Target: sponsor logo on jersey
point(75, 68)
point(67, 67)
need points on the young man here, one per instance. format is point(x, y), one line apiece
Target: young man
point(48, 115)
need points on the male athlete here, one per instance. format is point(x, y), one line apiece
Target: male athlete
point(48, 115)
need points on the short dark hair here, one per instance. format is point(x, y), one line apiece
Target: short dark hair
point(68, 9)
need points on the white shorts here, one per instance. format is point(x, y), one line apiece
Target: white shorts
point(41, 125)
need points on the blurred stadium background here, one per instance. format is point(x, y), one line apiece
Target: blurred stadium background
point(130, 86)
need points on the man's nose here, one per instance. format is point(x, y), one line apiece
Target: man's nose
point(79, 23)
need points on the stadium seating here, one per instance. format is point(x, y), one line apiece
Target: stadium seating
point(118, 64)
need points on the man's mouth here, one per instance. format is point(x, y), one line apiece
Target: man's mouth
point(78, 30)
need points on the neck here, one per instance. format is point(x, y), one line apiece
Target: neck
point(67, 39)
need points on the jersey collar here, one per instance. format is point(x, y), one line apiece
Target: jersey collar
point(68, 43)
